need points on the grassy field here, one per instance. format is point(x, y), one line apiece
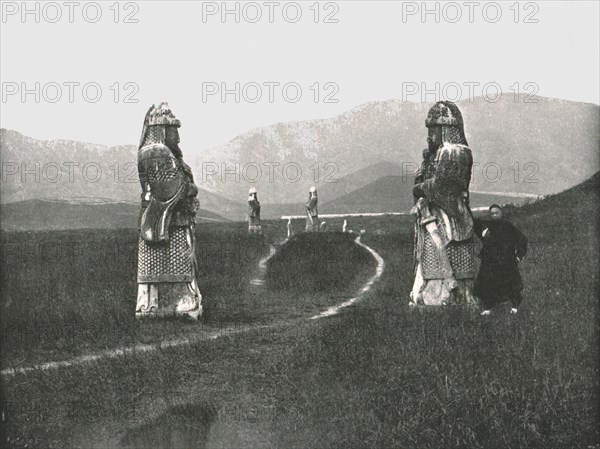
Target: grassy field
point(73, 292)
point(378, 375)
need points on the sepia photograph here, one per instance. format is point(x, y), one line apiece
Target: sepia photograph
point(300, 224)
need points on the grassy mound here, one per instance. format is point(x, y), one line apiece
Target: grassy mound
point(317, 262)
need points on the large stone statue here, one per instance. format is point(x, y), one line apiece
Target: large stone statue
point(312, 213)
point(167, 266)
point(254, 226)
point(444, 257)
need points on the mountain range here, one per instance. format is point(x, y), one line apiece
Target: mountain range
point(527, 145)
point(361, 161)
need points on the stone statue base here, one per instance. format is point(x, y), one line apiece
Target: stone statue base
point(255, 229)
point(168, 299)
point(441, 292)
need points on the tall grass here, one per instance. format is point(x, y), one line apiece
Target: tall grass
point(385, 376)
point(379, 375)
point(71, 292)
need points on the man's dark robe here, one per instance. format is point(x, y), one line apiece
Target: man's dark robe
point(499, 279)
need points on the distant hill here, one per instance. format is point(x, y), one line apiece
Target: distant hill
point(101, 213)
point(534, 148)
point(65, 169)
point(329, 191)
point(518, 146)
point(68, 170)
point(556, 225)
point(586, 193)
point(394, 194)
point(568, 210)
point(231, 210)
point(54, 215)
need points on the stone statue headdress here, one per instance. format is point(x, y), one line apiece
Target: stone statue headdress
point(252, 193)
point(447, 116)
point(155, 123)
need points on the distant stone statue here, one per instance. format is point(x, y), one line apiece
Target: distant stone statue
point(167, 267)
point(444, 257)
point(254, 226)
point(312, 213)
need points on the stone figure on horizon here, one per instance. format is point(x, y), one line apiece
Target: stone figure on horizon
point(312, 213)
point(254, 226)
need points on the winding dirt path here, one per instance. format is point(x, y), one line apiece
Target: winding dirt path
point(211, 335)
point(363, 290)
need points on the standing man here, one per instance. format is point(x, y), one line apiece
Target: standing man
point(254, 226)
point(167, 267)
point(444, 260)
point(504, 246)
point(312, 214)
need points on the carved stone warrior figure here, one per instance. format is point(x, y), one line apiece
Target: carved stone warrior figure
point(312, 214)
point(167, 266)
point(254, 226)
point(444, 257)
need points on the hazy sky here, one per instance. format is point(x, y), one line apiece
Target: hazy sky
point(187, 52)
